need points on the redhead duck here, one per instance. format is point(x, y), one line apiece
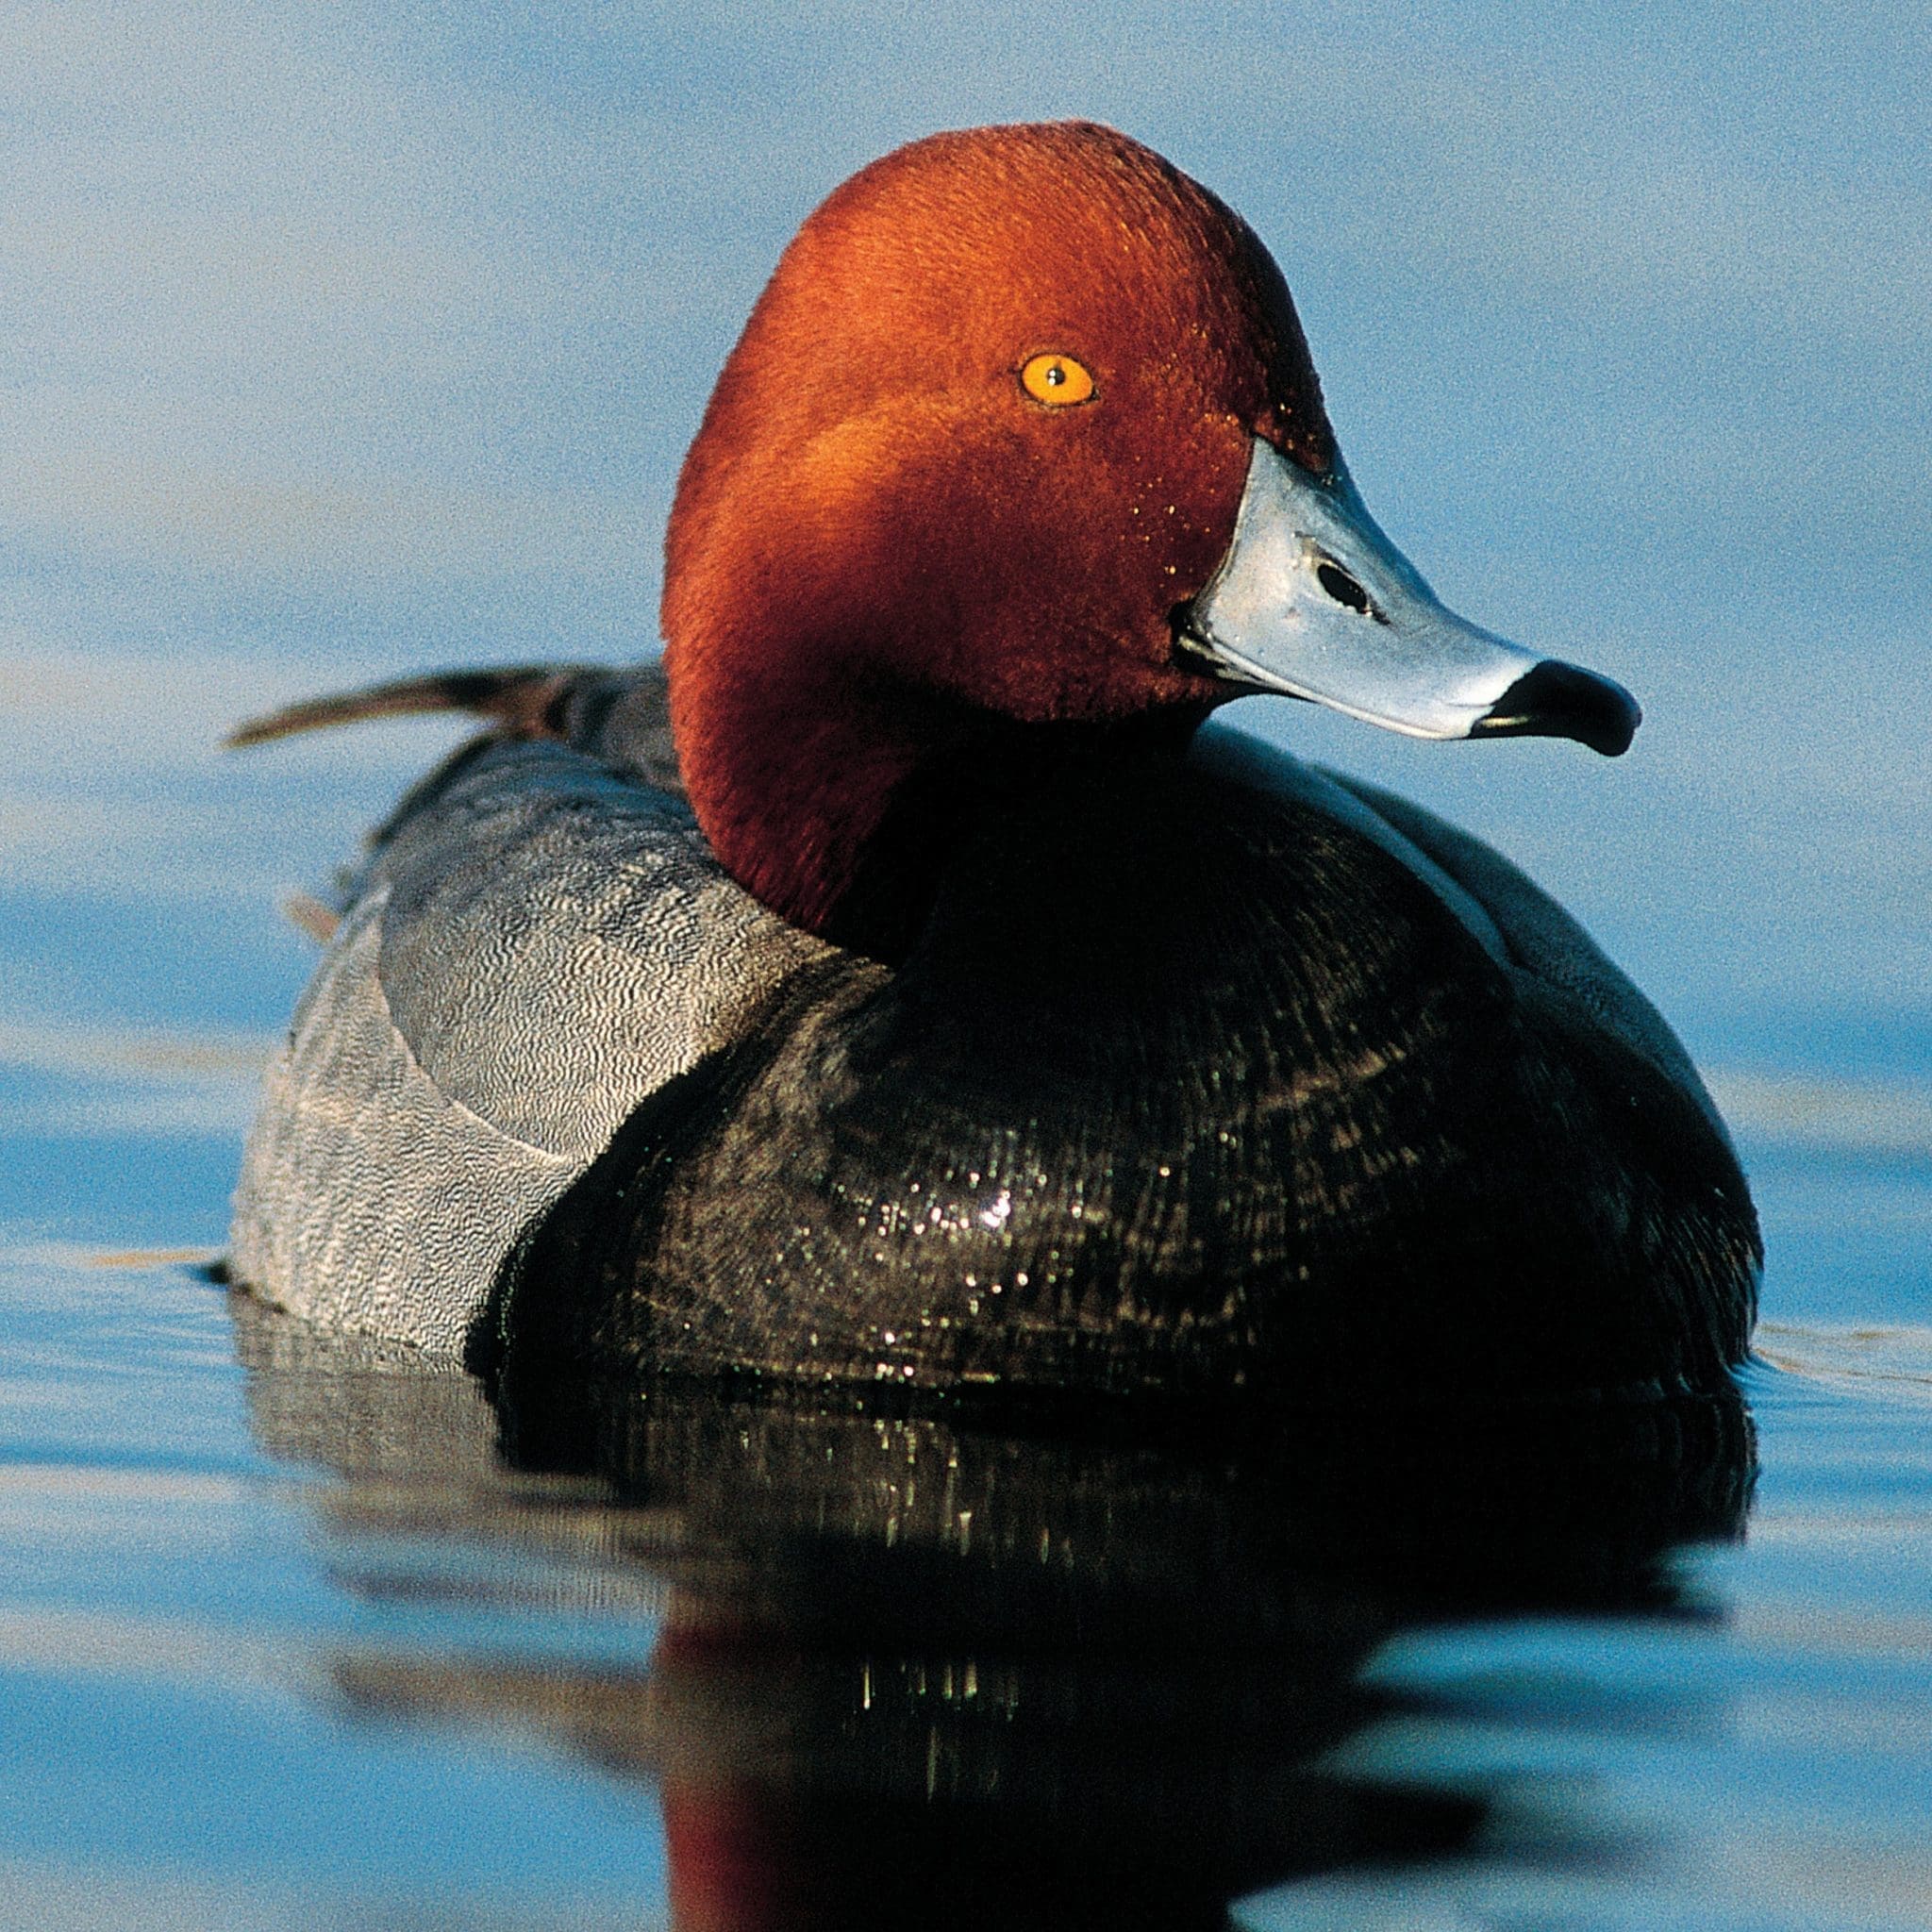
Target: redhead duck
point(905, 986)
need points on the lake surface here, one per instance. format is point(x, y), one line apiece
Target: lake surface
point(346, 342)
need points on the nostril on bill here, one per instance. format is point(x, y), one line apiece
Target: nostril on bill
point(1343, 588)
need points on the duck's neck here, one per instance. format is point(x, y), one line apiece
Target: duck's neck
point(837, 800)
point(793, 771)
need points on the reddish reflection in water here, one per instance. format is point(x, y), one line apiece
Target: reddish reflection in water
point(918, 1669)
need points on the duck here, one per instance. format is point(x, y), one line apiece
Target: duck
point(908, 988)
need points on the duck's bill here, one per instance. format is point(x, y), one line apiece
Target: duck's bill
point(1312, 600)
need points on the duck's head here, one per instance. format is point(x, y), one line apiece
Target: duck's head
point(1025, 429)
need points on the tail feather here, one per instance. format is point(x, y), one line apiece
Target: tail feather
point(525, 699)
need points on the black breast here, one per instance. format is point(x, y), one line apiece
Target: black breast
point(1188, 1085)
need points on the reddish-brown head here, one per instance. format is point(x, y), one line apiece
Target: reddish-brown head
point(987, 427)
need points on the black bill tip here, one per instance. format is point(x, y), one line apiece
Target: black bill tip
point(1557, 700)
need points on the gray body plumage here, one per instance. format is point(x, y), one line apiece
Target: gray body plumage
point(539, 940)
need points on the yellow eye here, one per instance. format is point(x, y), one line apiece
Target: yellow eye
point(1055, 380)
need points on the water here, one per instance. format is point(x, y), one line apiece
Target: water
point(345, 341)
point(284, 1641)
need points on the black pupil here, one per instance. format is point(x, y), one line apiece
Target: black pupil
point(1054, 375)
point(1342, 586)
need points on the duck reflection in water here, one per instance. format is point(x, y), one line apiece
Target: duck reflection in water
point(919, 1669)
